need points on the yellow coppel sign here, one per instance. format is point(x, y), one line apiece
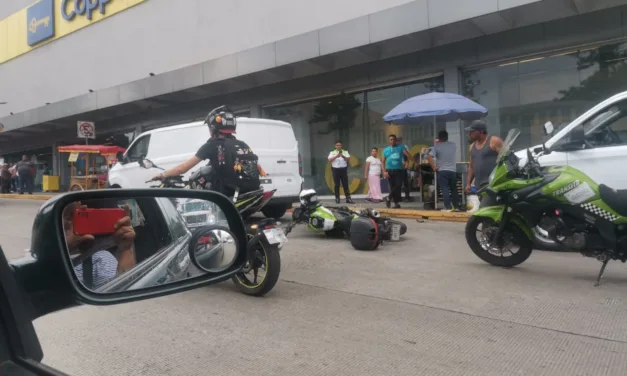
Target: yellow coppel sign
point(67, 16)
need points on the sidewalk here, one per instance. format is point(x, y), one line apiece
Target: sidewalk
point(41, 196)
point(408, 210)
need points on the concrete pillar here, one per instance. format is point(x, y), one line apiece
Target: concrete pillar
point(138, 131)
point(56, 162)
point(452, 84)
point(255, 111)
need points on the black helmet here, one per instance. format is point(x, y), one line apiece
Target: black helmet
point(222, 120)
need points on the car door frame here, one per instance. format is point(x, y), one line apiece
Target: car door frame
point(20, 350)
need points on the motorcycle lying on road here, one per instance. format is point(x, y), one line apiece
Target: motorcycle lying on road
point(555, 208)
point(366, 228)
point(265, 238)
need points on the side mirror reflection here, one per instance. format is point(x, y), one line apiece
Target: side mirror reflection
point(113, 248)
point(213, 248)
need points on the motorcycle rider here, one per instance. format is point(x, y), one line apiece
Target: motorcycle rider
point(233, 161)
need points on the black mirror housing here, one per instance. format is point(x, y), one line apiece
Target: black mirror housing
point(50, 281)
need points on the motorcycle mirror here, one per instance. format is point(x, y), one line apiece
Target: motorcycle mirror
point(146, 163)
point(548, 128)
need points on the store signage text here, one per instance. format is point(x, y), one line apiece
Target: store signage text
point(72, 8)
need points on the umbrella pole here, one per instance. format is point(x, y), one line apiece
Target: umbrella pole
point(435, 173)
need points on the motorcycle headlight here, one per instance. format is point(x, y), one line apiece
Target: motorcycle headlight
point(491, 177)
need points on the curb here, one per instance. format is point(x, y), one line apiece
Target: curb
point(15, 196)
point(431, 215)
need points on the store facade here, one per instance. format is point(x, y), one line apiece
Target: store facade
point(355, 118)
point(527, 61)
point(556, 87)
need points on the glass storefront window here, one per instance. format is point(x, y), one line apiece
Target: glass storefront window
point(357, 120)
point(525, 94)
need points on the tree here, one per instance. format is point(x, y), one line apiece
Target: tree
point(339, 112)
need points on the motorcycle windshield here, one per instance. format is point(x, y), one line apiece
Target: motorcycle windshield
point(512, 135)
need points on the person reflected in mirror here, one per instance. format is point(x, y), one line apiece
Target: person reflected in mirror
point(483, 152)
point(104, 265)
point(338, 158)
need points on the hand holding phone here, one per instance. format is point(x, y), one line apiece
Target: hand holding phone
point(88, 221)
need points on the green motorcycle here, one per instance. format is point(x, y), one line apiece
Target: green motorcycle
point(554, 208)
point(365, 228)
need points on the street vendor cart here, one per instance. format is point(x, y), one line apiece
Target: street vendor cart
point(94, 173)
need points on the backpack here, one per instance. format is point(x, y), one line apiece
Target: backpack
point(237, 165)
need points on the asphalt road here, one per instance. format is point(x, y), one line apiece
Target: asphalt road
point(424, 306)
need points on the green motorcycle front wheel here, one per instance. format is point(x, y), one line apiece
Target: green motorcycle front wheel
point(478, 236)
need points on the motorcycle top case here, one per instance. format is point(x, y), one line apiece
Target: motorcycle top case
point(365, 234)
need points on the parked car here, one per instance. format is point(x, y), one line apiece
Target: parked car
point(199, 213)
point(273, 141)
point(602, 153)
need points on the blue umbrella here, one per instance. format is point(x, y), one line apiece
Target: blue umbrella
point(436, 106)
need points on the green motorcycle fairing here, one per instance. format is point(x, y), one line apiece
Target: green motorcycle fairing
point(571, 187)
point(325, 215)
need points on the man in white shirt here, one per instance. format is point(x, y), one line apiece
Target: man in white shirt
point(339, 165)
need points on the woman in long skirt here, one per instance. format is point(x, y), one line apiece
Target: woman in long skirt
point(373, 176)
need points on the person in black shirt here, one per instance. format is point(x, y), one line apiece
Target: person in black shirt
point(222, 125)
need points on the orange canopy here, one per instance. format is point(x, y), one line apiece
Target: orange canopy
point(96, 149)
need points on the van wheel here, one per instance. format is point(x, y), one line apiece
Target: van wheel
point(274, 211)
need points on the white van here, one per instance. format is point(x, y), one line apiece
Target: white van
point(594, 143)
point(273, 141)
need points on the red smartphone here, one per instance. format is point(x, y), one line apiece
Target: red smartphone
point(96, 221)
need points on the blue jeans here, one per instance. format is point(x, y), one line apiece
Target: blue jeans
point(448, 183)
point(25, 183)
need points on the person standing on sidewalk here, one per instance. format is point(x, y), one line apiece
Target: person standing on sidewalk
point(406, 160)
point(393, 170)
point(13, 171)
point(24, 178)
point(443, 160)
point(483, 152)
point(5, 179)
point(339, 164)
point(373, 176)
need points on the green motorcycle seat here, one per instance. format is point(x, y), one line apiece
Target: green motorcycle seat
point(614, 198)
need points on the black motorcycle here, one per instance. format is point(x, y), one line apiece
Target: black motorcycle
point(265, 237)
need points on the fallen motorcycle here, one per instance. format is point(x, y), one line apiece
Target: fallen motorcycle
point(555, 208)
point(265, 237)
point(365, 228)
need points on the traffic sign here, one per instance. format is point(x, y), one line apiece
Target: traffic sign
point(86, 129)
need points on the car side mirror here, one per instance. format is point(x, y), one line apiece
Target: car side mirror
point(120, 158)
point(75, 231)
point(548, 128)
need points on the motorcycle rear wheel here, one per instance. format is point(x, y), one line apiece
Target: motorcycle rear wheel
point(512, 232)
point(269, 257)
